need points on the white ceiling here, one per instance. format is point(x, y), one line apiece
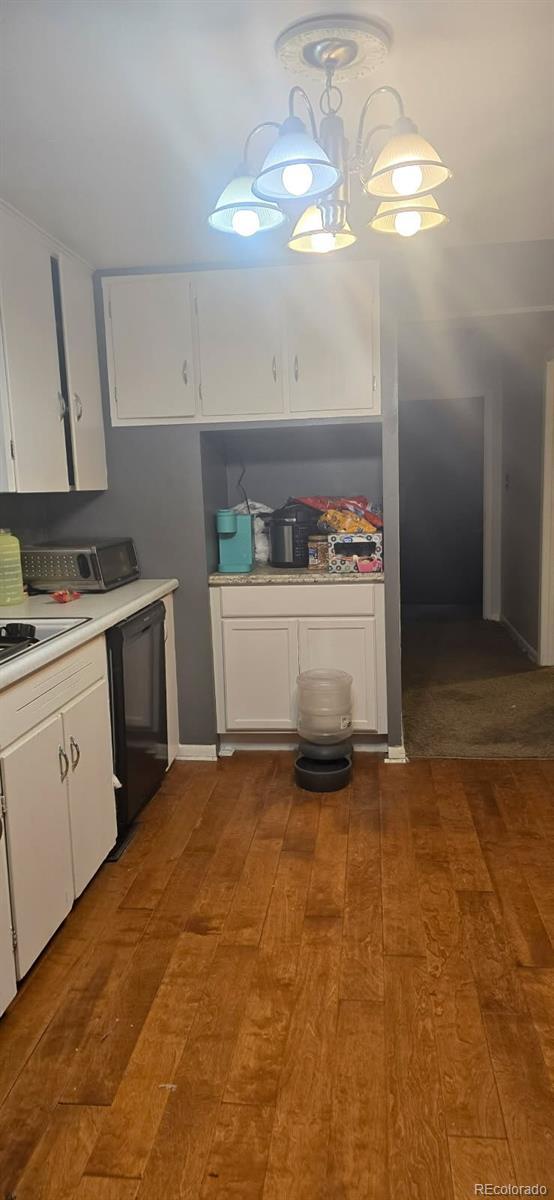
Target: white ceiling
point(122, 119)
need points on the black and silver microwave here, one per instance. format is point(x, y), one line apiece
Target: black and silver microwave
point(86, 566)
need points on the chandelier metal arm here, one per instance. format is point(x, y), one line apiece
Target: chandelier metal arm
point(370, 135)
point(377, 91)
point(253, 132)
point(299, 91)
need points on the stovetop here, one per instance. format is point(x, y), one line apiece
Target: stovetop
point(18, 637)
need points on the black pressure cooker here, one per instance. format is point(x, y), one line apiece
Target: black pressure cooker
point(289, 529)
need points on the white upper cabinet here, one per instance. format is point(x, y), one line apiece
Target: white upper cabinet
point(149, 325)
point(83, 382)
point(244, 345)
point(36, 405)
point(240, 343)
point(51, 428)
point(331, 339)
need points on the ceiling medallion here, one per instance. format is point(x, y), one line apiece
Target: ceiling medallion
point(392, 162)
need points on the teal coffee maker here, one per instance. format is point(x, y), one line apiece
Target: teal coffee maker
point(234, 532)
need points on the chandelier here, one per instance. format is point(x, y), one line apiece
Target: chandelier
point(395, 166)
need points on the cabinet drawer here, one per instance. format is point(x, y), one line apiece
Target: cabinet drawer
point(47, 690)
point(299, 600)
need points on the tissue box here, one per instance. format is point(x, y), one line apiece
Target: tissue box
point(344, 546)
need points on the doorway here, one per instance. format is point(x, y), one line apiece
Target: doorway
point(441, 448)
point(469, 690)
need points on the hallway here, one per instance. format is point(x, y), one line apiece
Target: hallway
point(470, 692)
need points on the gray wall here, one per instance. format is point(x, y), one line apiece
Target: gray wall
point(155, 495)
point(338, 460)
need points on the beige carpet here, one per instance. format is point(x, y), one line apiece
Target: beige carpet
point(470, 692)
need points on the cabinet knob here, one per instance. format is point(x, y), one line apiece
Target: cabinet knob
point(78, 405)
point(64, 764)
point(296, 369)
point(185, 372)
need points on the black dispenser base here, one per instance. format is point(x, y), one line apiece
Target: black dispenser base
point(327, 773)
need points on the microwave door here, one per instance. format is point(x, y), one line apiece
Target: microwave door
point(116, 562)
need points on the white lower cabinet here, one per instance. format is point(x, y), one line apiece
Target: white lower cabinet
point(38, 838)
point(58, 804)
point(353, 645)
point(260, 661)
point(8, 983)
point(87, 743)
point(257, 659)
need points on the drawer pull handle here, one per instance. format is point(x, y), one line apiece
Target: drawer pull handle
point(75, 751)
point(296, 369)
point(64, 764)
point(185, 372)
point(274, 369)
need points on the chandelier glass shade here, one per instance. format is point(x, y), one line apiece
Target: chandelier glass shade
point(408, 215)
point(238, 210)
point(408, 165)
point(295, 166)
point(311, 237)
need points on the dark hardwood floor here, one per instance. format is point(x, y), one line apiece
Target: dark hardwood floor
point(282, 995)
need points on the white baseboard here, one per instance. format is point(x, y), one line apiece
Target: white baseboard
point(228, 746)
point(196, 753)
point(520, 640)
point(396, 754)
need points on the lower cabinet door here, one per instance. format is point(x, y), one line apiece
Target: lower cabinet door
point(7, 960)
point(88, 744)
point(260, 669)
point(350, 644)
point(34, 773)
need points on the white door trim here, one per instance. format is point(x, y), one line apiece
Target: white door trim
point(492, 502)
point(546, 591)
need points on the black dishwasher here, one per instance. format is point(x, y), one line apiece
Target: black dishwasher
point(136, 658)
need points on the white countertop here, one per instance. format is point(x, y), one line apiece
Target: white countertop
point(103, 609)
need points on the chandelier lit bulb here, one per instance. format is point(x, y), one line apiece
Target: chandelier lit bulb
point(297, 179)
point(407, 223)
point(245, 222)
point(315, 165)
point(407, 180)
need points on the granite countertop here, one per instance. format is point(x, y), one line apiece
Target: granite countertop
point(98, 610)
point(263, 573)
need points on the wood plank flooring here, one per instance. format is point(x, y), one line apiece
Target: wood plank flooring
point(281, 996)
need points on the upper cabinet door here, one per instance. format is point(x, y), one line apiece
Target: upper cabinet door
point(150, 347)
point(331, 338)
point(31, 354)
point(83, 382)
point(240, 343)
